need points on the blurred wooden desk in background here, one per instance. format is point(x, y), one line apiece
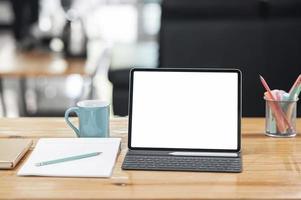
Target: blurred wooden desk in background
point(35, 64)
point(271, 170)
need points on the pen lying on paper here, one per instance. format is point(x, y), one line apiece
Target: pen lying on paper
point(71, 158)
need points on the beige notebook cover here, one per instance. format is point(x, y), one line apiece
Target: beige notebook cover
point(12, 150)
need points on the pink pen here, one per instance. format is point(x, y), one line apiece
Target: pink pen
point(278, 111)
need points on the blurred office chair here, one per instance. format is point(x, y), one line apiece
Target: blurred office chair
point(120, 94)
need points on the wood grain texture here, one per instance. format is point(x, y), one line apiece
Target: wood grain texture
point(271, 170)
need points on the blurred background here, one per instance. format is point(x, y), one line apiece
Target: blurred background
point(54, 53)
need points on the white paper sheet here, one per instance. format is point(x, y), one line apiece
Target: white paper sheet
point(55, 148)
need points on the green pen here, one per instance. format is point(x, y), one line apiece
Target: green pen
point(71, 158)
point(295, 90)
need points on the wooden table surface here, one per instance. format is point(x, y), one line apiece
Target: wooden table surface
point(271, 170)
point(33, 64)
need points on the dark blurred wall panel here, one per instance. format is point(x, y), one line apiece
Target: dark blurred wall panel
point(258, 37)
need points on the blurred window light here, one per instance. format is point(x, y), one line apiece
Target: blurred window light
point(151, 18)
point(51, 18)
point(56, 45)
point(114, 23)
point(45, 24)
point(74, 85)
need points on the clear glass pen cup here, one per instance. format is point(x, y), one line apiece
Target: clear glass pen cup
point(280, 118)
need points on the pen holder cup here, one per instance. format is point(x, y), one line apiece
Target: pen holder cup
point(280, 118)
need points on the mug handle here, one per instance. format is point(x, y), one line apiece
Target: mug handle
point(68, 111)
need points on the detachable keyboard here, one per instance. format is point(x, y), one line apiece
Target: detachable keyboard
point(182, 163)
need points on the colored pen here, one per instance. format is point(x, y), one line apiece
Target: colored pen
point(295, 89)
point(66, 159)
point(277, 108)
point(297, 82)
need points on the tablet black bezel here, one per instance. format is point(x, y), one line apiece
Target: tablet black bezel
point(239, 108)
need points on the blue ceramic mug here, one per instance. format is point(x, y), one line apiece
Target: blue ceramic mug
point(93, 118)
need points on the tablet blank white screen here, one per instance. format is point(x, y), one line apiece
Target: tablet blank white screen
point(193, 110)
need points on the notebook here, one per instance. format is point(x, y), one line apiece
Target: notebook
point(12, 150)
point(184, 120)
point(56, 148)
